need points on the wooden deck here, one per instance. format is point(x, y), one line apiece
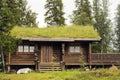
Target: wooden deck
point(105, 58)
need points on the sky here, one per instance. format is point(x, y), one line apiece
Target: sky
point(37, 6)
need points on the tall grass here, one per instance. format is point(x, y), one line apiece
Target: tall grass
point(56, 32)
point(65, 75)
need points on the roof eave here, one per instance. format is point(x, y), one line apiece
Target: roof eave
point(63, 39)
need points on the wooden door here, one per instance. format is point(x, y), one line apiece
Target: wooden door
point(46, 53)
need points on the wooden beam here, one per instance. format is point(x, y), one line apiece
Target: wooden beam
point(90, 58)
point(9, 58)
point(63, 53)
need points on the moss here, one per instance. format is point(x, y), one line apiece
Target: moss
point(56, 32)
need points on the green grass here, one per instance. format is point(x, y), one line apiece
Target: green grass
point(56, 32)
point(65, 75)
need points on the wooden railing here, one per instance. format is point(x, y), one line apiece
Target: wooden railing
point(22, 59)
point(105, 58)
point(74, 59)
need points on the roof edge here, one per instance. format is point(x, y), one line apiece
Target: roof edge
point(61, 39)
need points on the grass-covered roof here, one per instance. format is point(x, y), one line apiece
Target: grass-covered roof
point(55, 32)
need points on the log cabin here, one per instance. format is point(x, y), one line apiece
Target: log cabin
point(52, 48)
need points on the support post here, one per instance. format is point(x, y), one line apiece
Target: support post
point(36, 58)
point(9, 61)
point(8, 68)
point(36, 62)
point(63, 54)
point(9, 58)
point(90, 58)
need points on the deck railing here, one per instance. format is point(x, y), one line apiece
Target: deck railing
point(105, 58)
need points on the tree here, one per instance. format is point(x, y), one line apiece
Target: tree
point(102, 25)
point(54, 13)
point(117, 29)
point(83, 14)
point(7, 22)
point(25, 16)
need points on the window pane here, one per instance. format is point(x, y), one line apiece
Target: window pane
point(20, 48)
point(26, 48)
point(71, 48)
point(77, 49)
point(32, 48)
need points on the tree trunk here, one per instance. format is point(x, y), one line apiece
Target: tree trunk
point(3, 62)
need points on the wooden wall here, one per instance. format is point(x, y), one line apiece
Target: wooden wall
point(21, 59)
point(77, 58)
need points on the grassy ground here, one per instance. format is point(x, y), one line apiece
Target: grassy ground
point(65, 75)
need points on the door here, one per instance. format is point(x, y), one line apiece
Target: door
point(46, 53)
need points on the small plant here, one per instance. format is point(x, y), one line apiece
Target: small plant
point(82, 62)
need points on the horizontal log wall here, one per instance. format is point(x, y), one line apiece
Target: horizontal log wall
point(74, 59)
point(22, 59)
point(105, 59)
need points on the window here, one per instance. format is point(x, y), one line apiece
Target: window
point(77, 49)
point(71, 48)
point(26, 48)
point(20, 48)
point(32, 48)
point(74, 49)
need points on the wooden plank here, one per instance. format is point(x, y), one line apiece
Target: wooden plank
point(20, 59)
point(46, 53)
point(105, 59)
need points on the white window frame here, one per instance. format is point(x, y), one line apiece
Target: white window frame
point(74, 49)
point(20, 48)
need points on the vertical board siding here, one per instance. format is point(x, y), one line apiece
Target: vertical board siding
point(46, 53)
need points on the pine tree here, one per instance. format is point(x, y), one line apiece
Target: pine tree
point(117, 29)
point(54, 13)
point(82, 14)
point(102, 25)
point(26, 16)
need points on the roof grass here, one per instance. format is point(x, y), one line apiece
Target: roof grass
point(73, 31)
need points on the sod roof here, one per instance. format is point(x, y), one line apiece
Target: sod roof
point(56, 32)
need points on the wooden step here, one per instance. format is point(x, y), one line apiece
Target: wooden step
point(49, 67)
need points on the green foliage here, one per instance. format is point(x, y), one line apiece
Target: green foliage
point(82, 62)
point(7, 19)
point(65, 75)
point(56, 32)
point(117, 29)
point(8, 43)
point(54, 13)
point(102, 25)
point(82, 15)
point(25, 16)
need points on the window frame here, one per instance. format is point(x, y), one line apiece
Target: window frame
point(75, 51)
point(28, 49)
point(19, 48)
